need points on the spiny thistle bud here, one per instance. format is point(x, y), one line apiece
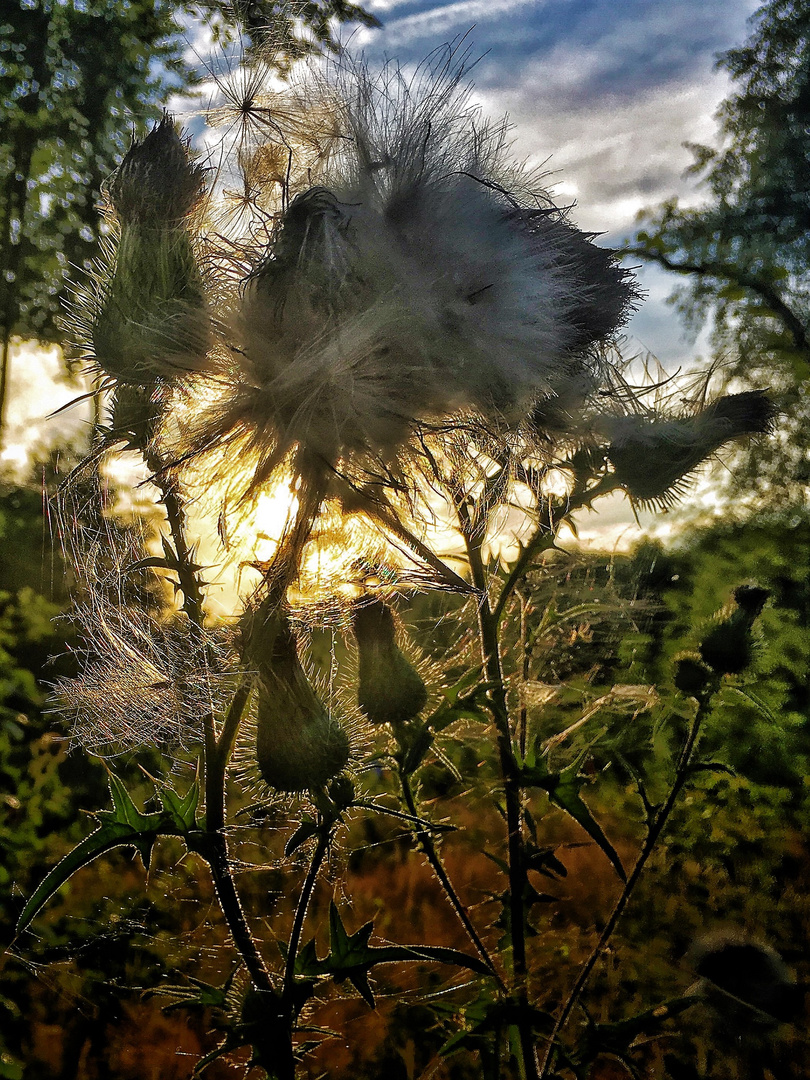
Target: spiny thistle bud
point(652, 456)
point(728, 645)
point(156, 184)
point(299, 745)
point(692, 677)
point(152, 319)
point(390, 689)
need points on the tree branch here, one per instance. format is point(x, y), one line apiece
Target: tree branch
point(725, 271)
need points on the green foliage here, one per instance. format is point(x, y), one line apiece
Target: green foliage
point(563, 789)
point(76, 80)
point(351, 957)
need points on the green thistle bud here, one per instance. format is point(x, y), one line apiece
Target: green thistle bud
point(299, 744)
point(152, 319)
point(156, 184)
point(651, 457)
point(390, 689)
point(692, 677)
point(728, 645)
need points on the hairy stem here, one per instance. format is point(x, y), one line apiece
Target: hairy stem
point(432, 855)
point(545, 536)
point(655, 828)
point(213, 845)
point(218, 755)
point(490, 654)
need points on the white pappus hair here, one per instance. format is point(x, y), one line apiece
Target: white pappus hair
point(411, 281)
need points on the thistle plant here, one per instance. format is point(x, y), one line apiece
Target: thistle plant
point(373, 307)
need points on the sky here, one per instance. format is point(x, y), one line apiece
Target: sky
point(602, 94)
point(605, 93)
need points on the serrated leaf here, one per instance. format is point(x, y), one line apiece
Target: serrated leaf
point(711, 767)
point(123, 826)
point(154, 562)
point(182, 810)
point(502, 864)
point(168, 551)
point(544, 861)
point(617, 1038)
point(205, 995)
point(467, 681)
point(565, 793)
point(124, 809)
point(758, 704)
point(351, 957)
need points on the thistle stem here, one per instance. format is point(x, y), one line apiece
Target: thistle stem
point(655, 828)
point(212, 845)
point(545, 537)
point(432, 855)
point(321, 847)
point(490, 652)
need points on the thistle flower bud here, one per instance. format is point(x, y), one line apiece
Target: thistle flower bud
point(651, 457)
point(728, 645)
point(692, 677)
point(390, 689)
point(156, 184)
point(299, 743)
point(152, 319)
point(134, 414)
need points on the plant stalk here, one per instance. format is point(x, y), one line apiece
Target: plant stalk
point(213, 846)
point(321, 847)
point(432, 855)
point(655, 828)
point(490, 654)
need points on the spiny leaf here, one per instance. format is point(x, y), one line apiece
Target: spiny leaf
point(545, 861)
point(123, 826)
point(112, 834)
point(204, 995)
point(710, 767)
point(304, 832)
point(181, 809)
point(351, 957)
point(616, 1038)
point(563, 790)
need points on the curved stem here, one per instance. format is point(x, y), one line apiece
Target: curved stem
point(432, 855)
point(218, 756)
point(545, 536)
point(214, 849)
point(655, 828)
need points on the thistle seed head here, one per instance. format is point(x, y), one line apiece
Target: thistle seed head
point(410, 280)
point(652, 456)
